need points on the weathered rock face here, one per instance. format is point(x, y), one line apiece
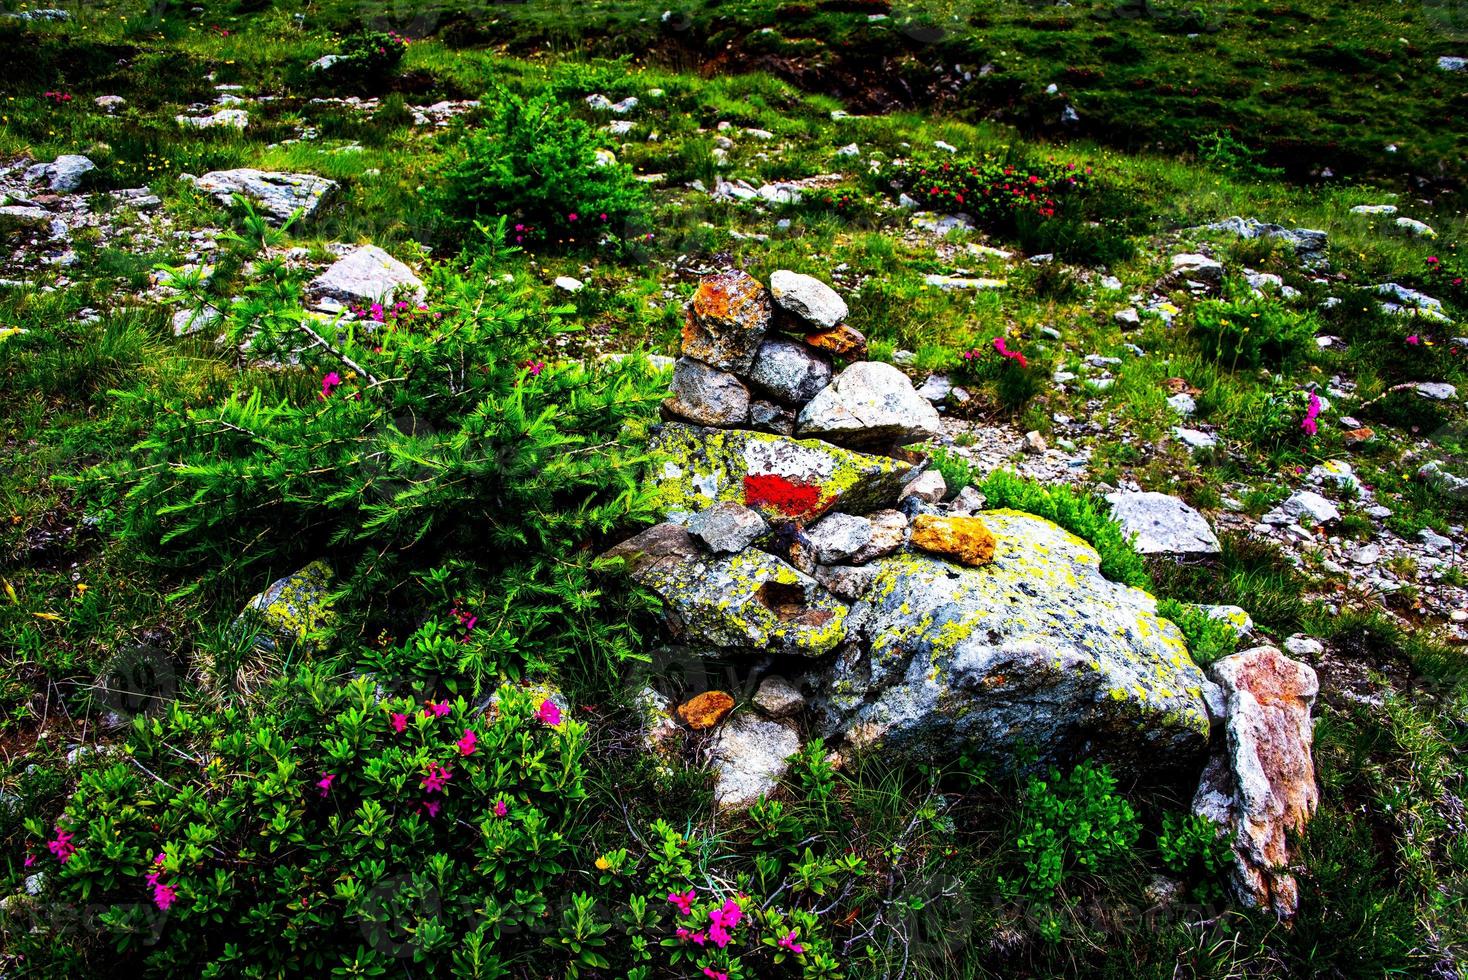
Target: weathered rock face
point(870, 404)
point(707, 395)
point(789, 372)
point(748, 601)
point(1260, 784)
point(750, 754)
point(808, 298)
point(785, 480)
point(727, 319)
point(727, 527)
point(1035, 648)
point(705, 710)
point(842, 341)
point(63, 174)
point(292, 611)
point(837, 537)
point(367, 275)
point(277, 195)
point(1163, 524)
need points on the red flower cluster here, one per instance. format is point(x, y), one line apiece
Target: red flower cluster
point(991, 191)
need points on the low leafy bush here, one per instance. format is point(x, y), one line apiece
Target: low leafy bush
point(1079, 513)
point(1076, 823)
point(532, 162)
point(367, 60)
point(1192, 847)
point(1243, 330)
point(992, 191)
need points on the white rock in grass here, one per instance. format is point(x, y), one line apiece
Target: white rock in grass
point(1163, 524)
point(808, 298)
point(367, 275)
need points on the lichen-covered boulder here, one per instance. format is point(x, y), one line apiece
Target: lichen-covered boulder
point(748, 601)
point(293, 611)
point(1034, 649)
point(786, 480)
point(727, 319)
point(963, 539)
point(870, 404)
point(1260, 784)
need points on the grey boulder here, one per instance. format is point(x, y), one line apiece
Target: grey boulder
point(789, 372)
point(367, 275)
point(707, 395)
point(870, 404)
point(277, 195)
point(807, 298)
point(1163, 524)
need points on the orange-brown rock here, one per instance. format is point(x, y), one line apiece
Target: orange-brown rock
point(729, 316)
point(841, 340)
point(705, 710)
point(1356, 437)
point(965, 539)
point(1260, 784)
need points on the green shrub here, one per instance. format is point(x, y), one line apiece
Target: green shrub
point(534, 163)
point(957, 471)
point(1079, 513)
point(1243, 330)
point(1209, 639)
point(1069, 824)
point(368, 60)
point(1193, 848)
point(402, 446)
point(992, 191)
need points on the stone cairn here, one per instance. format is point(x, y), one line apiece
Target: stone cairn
point(801, 538)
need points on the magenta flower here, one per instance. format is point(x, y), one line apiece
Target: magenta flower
point(324, 783)
point(1414, 340)
point(719, 935)
point(330, 383)
point(437, 778)
point(1013, 355)
point(501, 808)
point(431, 807)
point(689, 936)
point(164, 896)
point(62, 846)
point(467, 742)
point(683, 900)
point(788, 942)
point(548, 713)
point(534, 367)
point(1312, 412)
point(435, 709)
point(30, 859)
point(399, 722)
point(572, 215)
point(713, 974)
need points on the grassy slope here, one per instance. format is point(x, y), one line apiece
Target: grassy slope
point(1384, 890)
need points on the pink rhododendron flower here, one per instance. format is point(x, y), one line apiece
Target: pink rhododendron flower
point(435, 709)
point(1013, 355)
point(788, 942)
point(330, 383)
point(573, 216)
point(437, 778)
point(467, 742)
point(683, 900)
point(30, 859)
point(1414, 340)
point(399, 722)
point(719, 935)
point(164, 896)
point(548, 713)
point(689, 936)
point(713, 974)
point(501, 808)
point(431, 807)
point(534, 367)
point(324, 783)
point(62, 846)
point(1312, 411)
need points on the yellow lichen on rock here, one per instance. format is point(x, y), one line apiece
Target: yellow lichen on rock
point(967, 539)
